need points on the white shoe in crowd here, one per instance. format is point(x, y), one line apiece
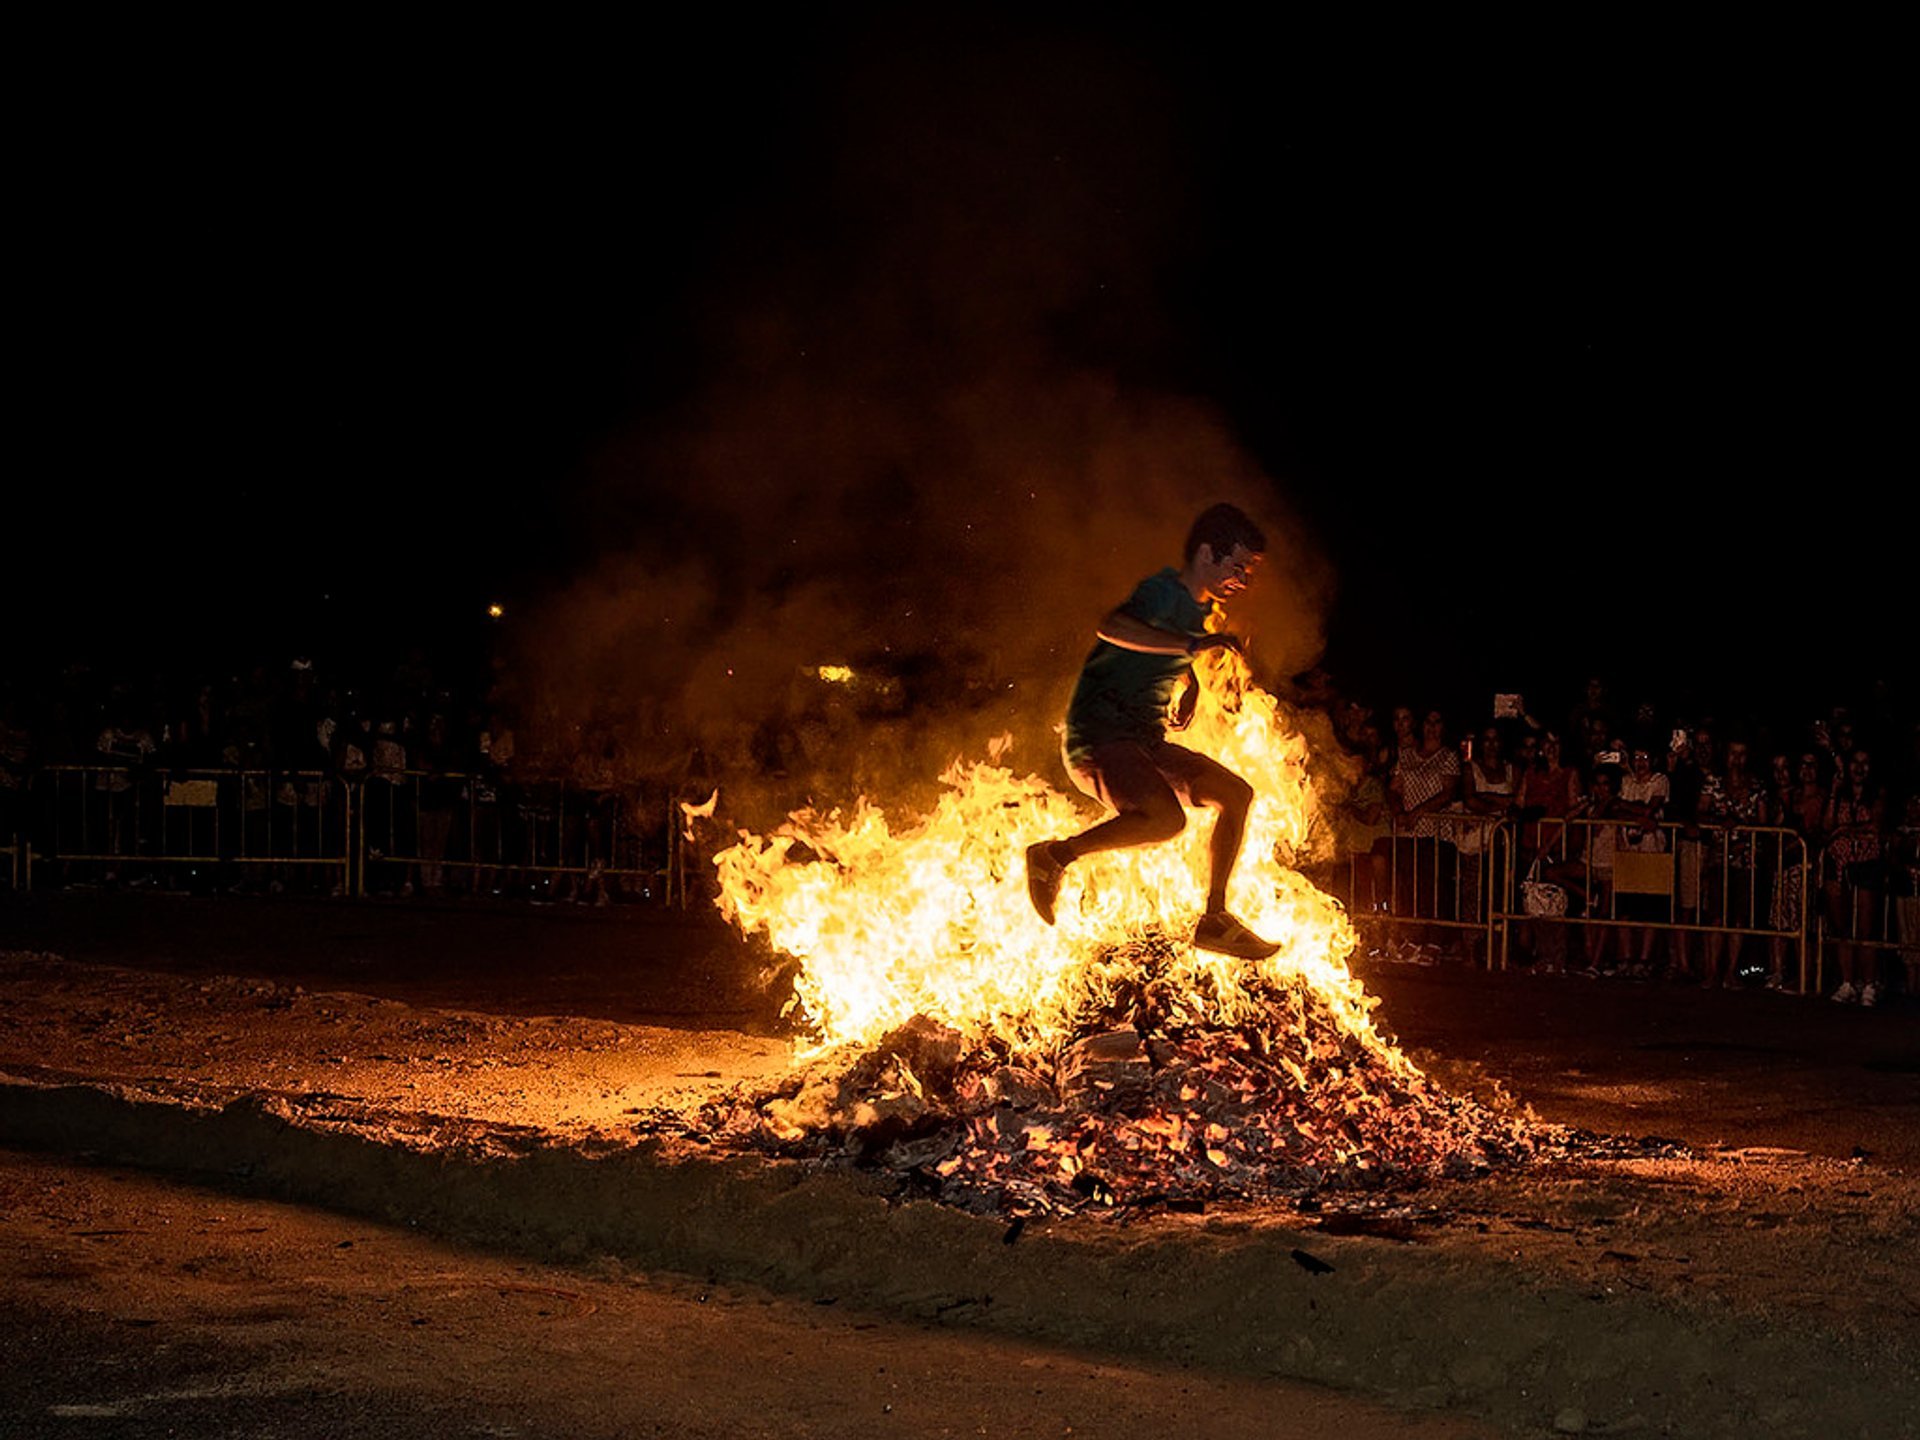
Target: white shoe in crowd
point(1870, 995)
point(1846, 994)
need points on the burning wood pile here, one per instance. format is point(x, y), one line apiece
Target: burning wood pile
point(1145, 1102)
point(1002, 1063)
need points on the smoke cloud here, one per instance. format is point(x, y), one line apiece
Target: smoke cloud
point(929, 444)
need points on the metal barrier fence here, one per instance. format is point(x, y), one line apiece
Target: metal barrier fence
point(534, 836)
point(1489, 882)
point(1484, 880)
point(378, 833)
point(19, 861)
point(1433, 873)
point(214, 822)
point(1866, 908)
point(1710, 887)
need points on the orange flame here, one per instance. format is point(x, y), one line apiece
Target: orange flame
point(703, 811)
point(932, 917)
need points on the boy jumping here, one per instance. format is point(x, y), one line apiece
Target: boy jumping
point(1130, 690)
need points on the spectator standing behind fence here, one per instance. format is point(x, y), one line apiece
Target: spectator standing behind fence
point(352, 747)
point(1595, 875)
point(388, 821)
point(1730, 808)
point(1548, 792)
point(496, 834)
point(193, 739)
point(1526, 750)
point(1644, 796)
point(1364, 825)
point(1903, 884)
point(298, 757)
point(1802, 808)
point(1855, 876)
point(1593, 716)
point(1489, 785)
point(1693, 792)
point(125, 746)
point(1406, 735)
point(1779, 782)
point(440, 796)
point(1425, 779)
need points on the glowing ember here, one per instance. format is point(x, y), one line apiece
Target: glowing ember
point(835, 674)
point(1158, 1112)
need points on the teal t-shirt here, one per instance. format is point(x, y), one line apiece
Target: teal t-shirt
point(1126, 694)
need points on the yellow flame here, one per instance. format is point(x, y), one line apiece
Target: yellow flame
point(835, 674)
point(889, 919)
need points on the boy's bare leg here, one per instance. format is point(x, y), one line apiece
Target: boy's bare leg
point(1229, 797)
point(1146, 811)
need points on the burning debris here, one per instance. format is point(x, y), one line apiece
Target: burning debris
point(999, 1063)
point(1150, 1104)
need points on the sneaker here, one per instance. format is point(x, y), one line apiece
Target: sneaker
point(1223, 935)
point(1870, 995)
point(1045, 871)
point(1846, 994)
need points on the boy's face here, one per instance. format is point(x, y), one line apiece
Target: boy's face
point(1221, 577)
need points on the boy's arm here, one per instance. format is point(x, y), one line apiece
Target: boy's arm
point(1132, 633)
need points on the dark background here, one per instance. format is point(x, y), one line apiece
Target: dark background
point(1561, 353)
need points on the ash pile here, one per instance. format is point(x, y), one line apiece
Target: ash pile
point(1139, 1104)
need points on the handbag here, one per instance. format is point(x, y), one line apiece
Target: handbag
point(1539, 897)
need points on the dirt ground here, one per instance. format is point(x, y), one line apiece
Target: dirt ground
point(137, 1306)
point(1764, 1281)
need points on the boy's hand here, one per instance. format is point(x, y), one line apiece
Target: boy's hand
point(1218, 640)
point(1183, 708)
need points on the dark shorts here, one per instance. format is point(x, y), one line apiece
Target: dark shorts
point(1128, 774)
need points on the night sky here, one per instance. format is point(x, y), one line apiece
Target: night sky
point(847, 333)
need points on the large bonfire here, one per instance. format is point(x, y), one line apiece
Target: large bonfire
point(1002, 1063)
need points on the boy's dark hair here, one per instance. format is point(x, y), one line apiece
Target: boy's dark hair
point(1220, 528)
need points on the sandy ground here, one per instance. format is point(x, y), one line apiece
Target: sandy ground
point(136, 1306)
point(1763, 1283)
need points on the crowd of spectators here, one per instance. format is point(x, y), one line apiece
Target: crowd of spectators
point(1744, 816)
point(1739, 818)
point(297, 732)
